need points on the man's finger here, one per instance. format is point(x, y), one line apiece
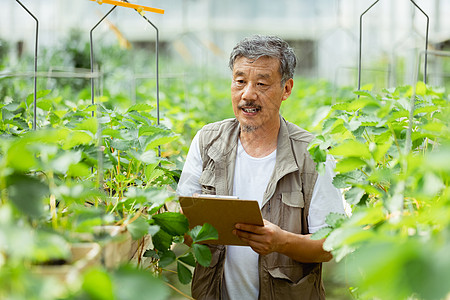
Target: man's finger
point(248, 227)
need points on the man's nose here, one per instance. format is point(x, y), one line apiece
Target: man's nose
point(249, 91)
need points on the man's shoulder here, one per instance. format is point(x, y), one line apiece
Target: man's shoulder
point(220, 125)
point(223, 135)
point(299, 134)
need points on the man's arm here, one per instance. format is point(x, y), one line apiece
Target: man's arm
point(271, 238)
point(192, 170)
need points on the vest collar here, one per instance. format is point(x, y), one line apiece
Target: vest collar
point(229, 139)
point(285, 161)
point(224, 156)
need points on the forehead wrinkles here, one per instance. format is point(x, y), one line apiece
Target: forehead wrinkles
point(262, 68)
point(258, 75)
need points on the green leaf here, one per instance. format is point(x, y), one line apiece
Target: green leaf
point(203, 233)
point(140, 285)
point(339, 129)
point(98, 284)
point(335, 219)
point(341, 106)
point(128, 125)
point(363, 92)
point(172, 222)
point(54, 119)
point(44, 104)
point(381, 150)
point(153, 229)
point(351, 148)
point(39, 94)
point(7, 115)
point(347, 179)
point(354, 195)
point(349, 164)
point(383, 137)
point(121, 145)
point(63, 161)
point(89, 124)
point(151, 253)
point(151, 130)
point(78, 170)
point(140, 107)
point(20, 158)
point(11, 107)
point(188, 258)
point(421, 88)
point(109, 132)
point(184, 274)
point(202, 254)
point(148, 157)
point(154, 174)
point(328, 124)
point(27, 194)
point(149, 170)
point(162, 240)
point(76, 138)
point(166, 258)
point(160, 140)
point(353, 124)
point(318, 155)
point(426, 109)
point(138, 228)
point(434, 127)
point(321, 233)
point(359, 103)
point(139, 118)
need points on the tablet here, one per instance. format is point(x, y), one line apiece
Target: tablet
point(222, 212)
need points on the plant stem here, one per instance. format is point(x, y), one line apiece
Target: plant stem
point(119, 184)
point(395, 138)
point(178, 291)
point(54, 215)
point(171, 271)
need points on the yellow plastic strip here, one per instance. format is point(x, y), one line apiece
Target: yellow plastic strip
point(139, 8)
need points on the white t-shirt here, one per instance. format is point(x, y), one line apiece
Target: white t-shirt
point(250, 181)
point(251, 177)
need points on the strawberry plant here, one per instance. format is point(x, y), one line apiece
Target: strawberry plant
point(393, 152)
point(77, 172)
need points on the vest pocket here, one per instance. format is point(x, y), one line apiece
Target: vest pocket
point(287, 282)
point(207, 180)
point(293, 199)
point(291, 210)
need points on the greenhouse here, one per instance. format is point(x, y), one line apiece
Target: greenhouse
point(102, 100)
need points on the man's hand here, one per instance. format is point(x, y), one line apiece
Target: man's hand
point(263, 239)
point(271, 238)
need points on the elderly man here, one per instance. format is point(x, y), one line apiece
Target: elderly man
point(259, 155)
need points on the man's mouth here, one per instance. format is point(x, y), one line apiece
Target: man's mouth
point(251, 109)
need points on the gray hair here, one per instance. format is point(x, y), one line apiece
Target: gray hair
point(258, 46)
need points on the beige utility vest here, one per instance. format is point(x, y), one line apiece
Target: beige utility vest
point(286, 203)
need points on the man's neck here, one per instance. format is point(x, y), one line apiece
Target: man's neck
point(259, 142)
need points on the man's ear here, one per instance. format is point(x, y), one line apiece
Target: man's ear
point(288, 89)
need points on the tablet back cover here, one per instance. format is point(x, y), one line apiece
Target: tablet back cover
point(222, 214)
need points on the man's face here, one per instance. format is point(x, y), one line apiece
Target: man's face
point(257, 93)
